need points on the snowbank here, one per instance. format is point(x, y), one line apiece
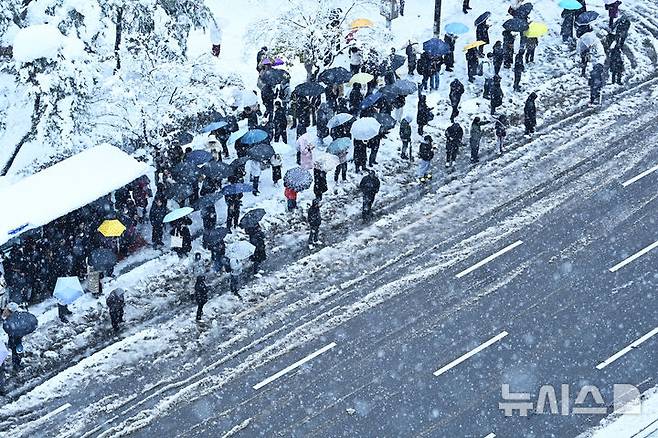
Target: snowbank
point(38, 41)
point(66, 186)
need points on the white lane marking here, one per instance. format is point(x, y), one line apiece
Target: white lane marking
point(488, 259)
point(640, 176)
point(636, 256)
point(622, 352)
point(471, 353)
point(491, 435)
point(55, 412)
point(286, 370)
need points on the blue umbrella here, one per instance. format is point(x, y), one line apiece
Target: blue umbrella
point(177, 214)
point(20, 324)
point(405, 87)
point(252, 218)
point(214, 126)
point(571, 5)
point(298, 179)
point(336, 75)
point(482, 18)
point(261, 152)
point(67, 290)
point(456, 28)
point(371, 99)
point(234, 189)
point(217, 170)
point(237, 135)
point(339, 146)
point(436, 47)
point(587, 17)
point(524, 10)
point(254, 136)
point(214, 237)
point(184, 138)
point(198, 157)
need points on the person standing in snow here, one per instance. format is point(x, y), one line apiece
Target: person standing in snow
point(498, 55)
point(260, 56)
point(253, 169)
point(319, 181)
point(215, 37)
point(373, 145)
point(200, 295)
point(209, 217)
point(530, 48)
point(472, 61)
point(449, 59)
point(454, 137)
point(360, 155)
point(508, 48)
point(519, 68)
point(405, 137)
point(568, 23)
point(501, 132)
point(355, 99)
point(233, 204)
point(475, 138)
point(234, 268)
point(488, 73)
point(341, 169)
point(257, 238)
point(424, 67)
point(369, 186)
point(291, 198)
point(356, 60)
point(424, 115)
point(425, 155)
point(596, 82)
point(181, 238)
point(280, 123)
point(115, 303)
point(482, 34)
point(466, 6)
point(314, 222)
point(411, 57)
point(156, 216)
point(616, 65)
point(530, 114)
point(456, 92)
point(276, 163)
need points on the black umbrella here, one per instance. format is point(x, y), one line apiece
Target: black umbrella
point(102, 259)
point(179, 191)
point(115, 298)
point(261, 152)
point(389, 92)
point(482, 18)
point(336, 75)
point(523, 11)
point(252, 218)
point(309, 89)
point(275, 76)
point(238, 162)
point(185, 172)
point(20, 324)
point(587, 17)
point(208, 200)
point(217, 170)
point(405, 87)
point(214, 236)
point(183, 138)
point(392, 63)
point(516, 25)
point(387, 121)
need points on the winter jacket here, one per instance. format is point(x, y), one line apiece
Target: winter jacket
point(496, 93)
point(369, 185)
point(530, 111)
point(405, 130)
point(290, 194)
point(320, 181)
point(424, 113)
point(200, 291)
point(476, 133)
point(454, 135)
point(482, 32)
point(424, 64)
point(501, 128)
point(314, 217)
point(355, 97)
point(597, 80)
point(158, 212)
point(280, 119)
point(456, 92)
point(425, 151)
point(616, 61)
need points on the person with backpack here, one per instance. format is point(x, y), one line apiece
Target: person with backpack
point(454, 137)
point(425, 155)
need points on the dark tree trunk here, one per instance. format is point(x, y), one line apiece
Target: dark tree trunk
point(117, 40)
point(36, 116)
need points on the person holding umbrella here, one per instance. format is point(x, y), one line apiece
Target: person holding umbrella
point(17, 324)
point(115, 303)
point(319, 181)
point(355, 99)
point(472, 62)
point(181, 238)
point(360, 155)
point(482, 30)
point(449, 59)
point(369, 186)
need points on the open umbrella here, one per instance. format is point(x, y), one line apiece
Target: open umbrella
point(254, 136)
point(371, 99)
point(386, 121)
point(185, 172)
point(586, 18)
point(456, 28)
point(20, 324)
point(261, 152)
point(245, 98)
point(275, 76)
point(436, 47)
point(4, 353)
point(339, 146)
point(183, 138)
point(198, 157)
point(208, 200)
point(396, 61)
point(365, 128)
point(214, 126)
point(112, 228)
point(67, 290)
point(473, 45)
point(217, 170)
point(241, 250)
point(339, 119)
point(309, 89)
point(325, 161)
point(515, 25)
point(179, 191)
point(214, 236)
point(278, 61)
point(336, 75)
point(361, 78)
point(405, 87)
point(237, 135)
point(115, 298)
point(536, 30)
point(238, 163)
point(177, 214)
point(570, 5)
point(252, 218)
point(585, 42)
point(298, 179)
point(482, 18)
point(361, 23)
point(234, 189)
point(524, 10)
point(102, 259)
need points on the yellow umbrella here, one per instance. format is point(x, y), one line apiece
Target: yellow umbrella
point(474, 45)
point(361, 22)
point(361, 78)
point(536, 30)
point(112, 228)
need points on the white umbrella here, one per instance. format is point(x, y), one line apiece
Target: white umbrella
point(326, 161)
point(177, 214)
point(365, 128)
point(67, 290)
point(245, 98)
point(241, 250)
point(339, 119)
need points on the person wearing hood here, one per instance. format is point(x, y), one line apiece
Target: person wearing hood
point(200, 295)
point(425, 155)
point(496, 94)
point(482, 34)
point(454, 137)
point(473, 62)
point(519, 68)
point(411, 57)
point(616, 65)
point(424, 115)
point(596, 82)
point(314, 222)
point(369, 186)
point(405, 137)
point(115, 303)
point(456, 92)
point(498, 55)
point(508, 48)
point(475, 139)
point(530, 114)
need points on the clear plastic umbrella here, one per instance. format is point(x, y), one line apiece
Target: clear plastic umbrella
point(365, 128)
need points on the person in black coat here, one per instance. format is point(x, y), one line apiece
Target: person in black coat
point(156, 216)
point(355, 99)
point(466, 6)
point(425, 155)
point(424, 115)
point(449, 59)
point(456, 92)
point(257, 238)
point(530, 113)
point(209, 217)
point(181, 230)
point(412, 58)
point(115, 303)
point(200, 295)
point(568, 22)
point(596, 82)
point(482, 34)
point(360, 155)
point(280, 123)
point(233, 204)
point(616, 65)
point(472, 61)
point(519, 68)
point(405, 137)
point(424, 67)
point(314, 222)
point(319, 182)
point(508, 48)
point(496, 94)
point(454, 137)
point(267, 94)
point(369, 186)
point(498, 55)
point(373, 145)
